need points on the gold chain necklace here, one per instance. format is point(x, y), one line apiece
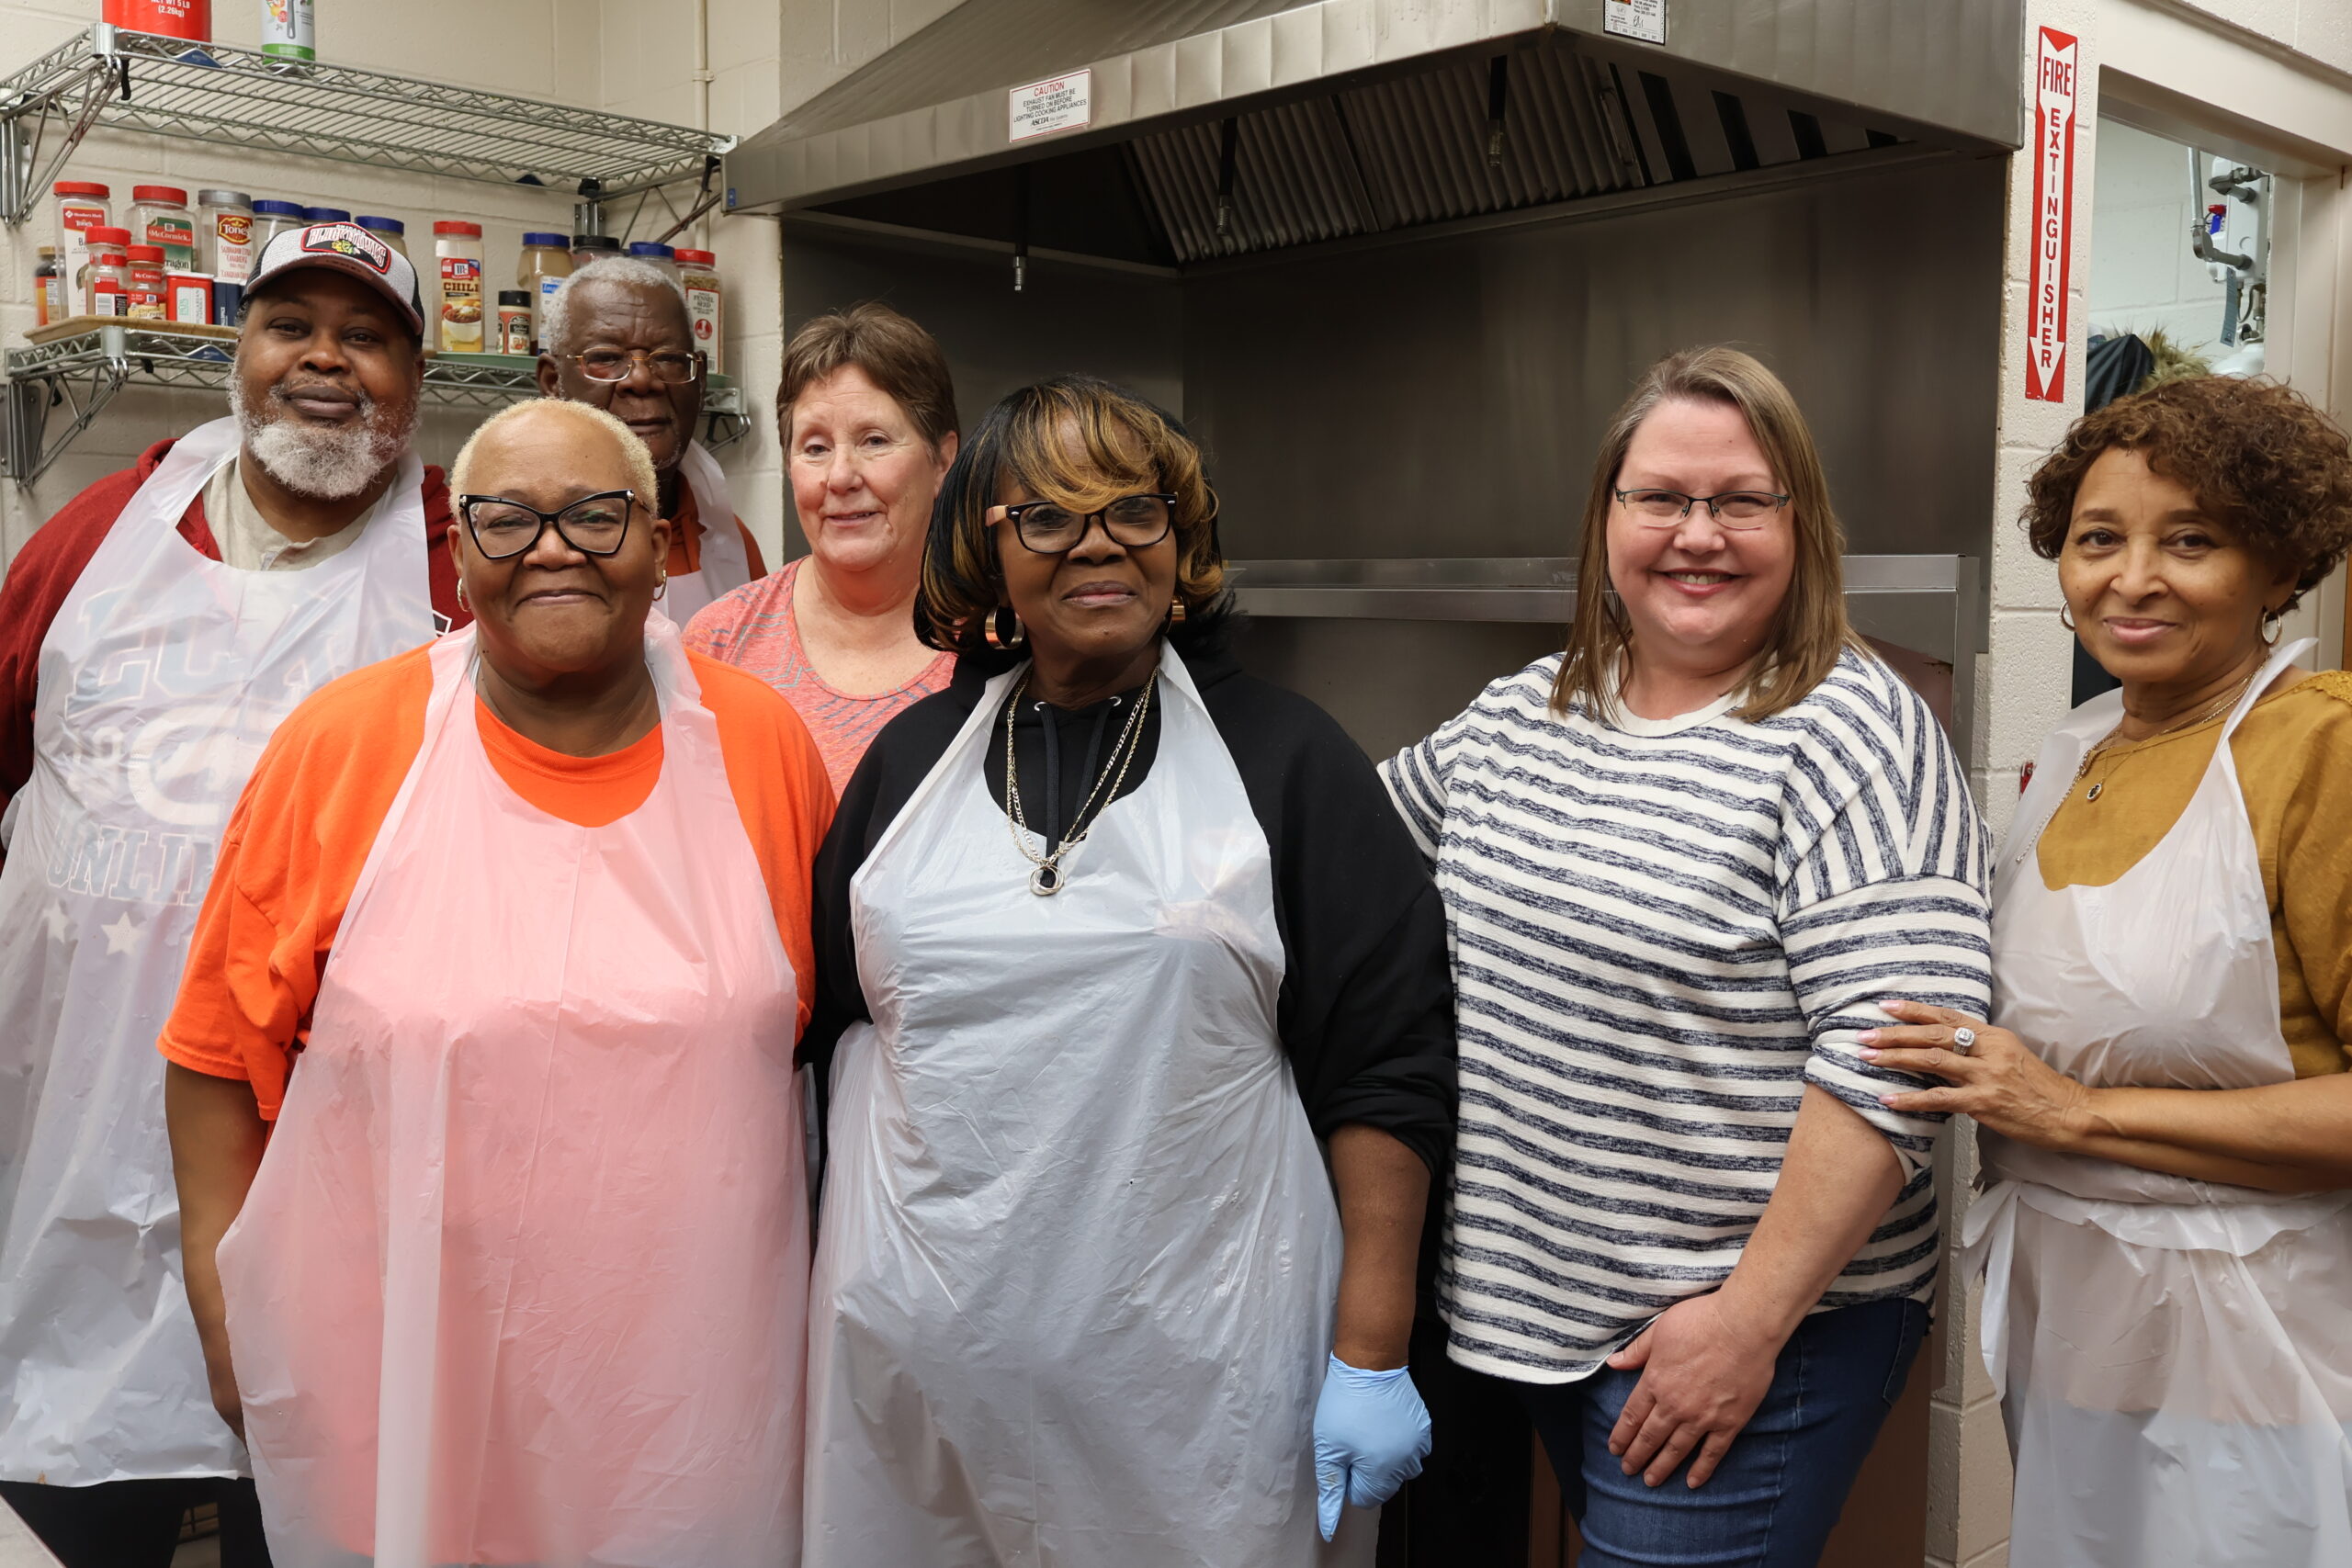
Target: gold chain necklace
point(1048, 879)
point(2206, 714)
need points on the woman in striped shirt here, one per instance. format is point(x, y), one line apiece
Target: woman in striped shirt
point(1683, 864)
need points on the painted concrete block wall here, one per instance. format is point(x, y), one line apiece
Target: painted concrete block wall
point(2319, 28)
point(635, 58)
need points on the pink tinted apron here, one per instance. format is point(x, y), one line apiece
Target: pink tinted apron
point(523, 1278)
point(2175, 1356)
point(162, 678)
point(726, 564)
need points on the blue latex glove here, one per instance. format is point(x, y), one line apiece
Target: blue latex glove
point(1372, 1432)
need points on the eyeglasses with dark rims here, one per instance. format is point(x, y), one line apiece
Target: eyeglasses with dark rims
point(672, 368)
point(1738, 509)
point(594, 524)
point(1132, 521)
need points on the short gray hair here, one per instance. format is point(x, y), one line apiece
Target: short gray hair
point(638, 461)
point(554, 316)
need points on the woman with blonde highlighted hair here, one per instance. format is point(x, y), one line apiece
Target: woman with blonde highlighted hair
point(1110, 937)
point(1684, 862)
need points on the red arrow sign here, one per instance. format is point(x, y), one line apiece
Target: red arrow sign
point(2053, 216)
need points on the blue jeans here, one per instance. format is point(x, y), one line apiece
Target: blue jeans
point(1775, 1498)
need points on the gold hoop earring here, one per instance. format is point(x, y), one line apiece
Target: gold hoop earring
point(469, 609)
point(660, 586)
point(2066, 617)
point(2273, 626)
point(992, 628)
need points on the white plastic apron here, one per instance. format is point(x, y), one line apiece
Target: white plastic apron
point(2176, 1356)
point(726, 564)
point(1078, 1260)
point(162, 677)
point(522, 1276)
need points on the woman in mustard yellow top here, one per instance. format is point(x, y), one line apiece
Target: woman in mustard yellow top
point(2167, 1120)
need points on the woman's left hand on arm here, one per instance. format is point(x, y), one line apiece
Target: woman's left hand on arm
point(1997, 1079)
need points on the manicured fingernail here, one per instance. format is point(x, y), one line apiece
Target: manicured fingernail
point(1867, 1054)
point(1868, 1037)
point(1888, 1098)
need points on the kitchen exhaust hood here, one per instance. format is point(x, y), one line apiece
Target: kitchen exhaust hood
point(1251, 125)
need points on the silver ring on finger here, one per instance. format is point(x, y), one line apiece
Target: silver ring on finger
point(1962, 1039)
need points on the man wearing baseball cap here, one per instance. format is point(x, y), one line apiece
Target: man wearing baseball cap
point(152, 633)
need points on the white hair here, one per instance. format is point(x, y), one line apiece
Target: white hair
point(554, 316)
point(329, 464)
point(634, 456)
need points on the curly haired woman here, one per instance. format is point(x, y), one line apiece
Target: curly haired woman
point(2165, 1114)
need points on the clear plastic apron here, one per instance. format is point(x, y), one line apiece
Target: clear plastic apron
point(161, 678)
point(1076, 1275)
point(2176, 1356)
point(726, 564)
point(523, 1278)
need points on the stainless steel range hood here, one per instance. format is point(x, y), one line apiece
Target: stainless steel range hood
point(1356, 116)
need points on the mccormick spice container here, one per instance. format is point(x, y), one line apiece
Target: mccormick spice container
point(290, 29)
point(457, 248)
point(166, 19)
point(545, 262)
point(106, 260)
point(81, 207)
point(514, 320)
point(391, 231)
point(142, 294)
point(188, 297)
point(225, 238)
point(657, 255)
point(706, 304)
point(159, 217)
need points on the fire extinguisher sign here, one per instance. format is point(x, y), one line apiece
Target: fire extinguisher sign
point(2055, 80)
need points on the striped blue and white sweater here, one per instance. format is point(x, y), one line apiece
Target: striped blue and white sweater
point(1661, 931)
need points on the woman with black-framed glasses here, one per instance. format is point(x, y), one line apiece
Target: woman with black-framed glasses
point(521, 1277)
point(1111, 938)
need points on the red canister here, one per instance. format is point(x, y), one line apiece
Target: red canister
point(166, 19)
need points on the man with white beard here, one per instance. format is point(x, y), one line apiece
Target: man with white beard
point(152, 633)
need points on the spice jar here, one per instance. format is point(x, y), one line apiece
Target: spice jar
point(187, 296)
point(272, 219)
point(142, 290)
point(159, 217)
point(81, 207)
point(457, 248)
point(586, 248)
point(107, 245)
point(545, 262)
point(706, 312)
point(49, 289)
point(225, 240)
point(659, 257)
point(514, 320)
point(391, 231)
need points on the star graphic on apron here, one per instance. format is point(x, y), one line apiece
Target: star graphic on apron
point(124, 936)
point(58, 921)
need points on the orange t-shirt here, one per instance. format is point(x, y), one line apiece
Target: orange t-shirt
point(302, 829)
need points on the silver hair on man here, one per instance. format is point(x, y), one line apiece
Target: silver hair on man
point(554, 316)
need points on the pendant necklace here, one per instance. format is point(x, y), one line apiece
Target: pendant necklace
point(2206, 714)
point(1049, 878)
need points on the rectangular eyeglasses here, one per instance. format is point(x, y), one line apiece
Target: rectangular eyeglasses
point(1740, 509)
